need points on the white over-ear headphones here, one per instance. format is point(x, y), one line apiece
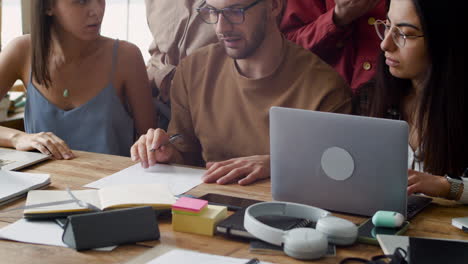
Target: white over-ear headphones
point(300, 243)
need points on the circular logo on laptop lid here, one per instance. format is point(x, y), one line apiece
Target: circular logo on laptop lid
point(337, 163)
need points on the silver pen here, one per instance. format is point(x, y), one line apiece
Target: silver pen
point(172, 139)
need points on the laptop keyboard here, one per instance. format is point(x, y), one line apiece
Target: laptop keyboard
point(415, 204)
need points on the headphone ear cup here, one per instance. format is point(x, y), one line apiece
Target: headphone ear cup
point(305, 243)
point(338, 231)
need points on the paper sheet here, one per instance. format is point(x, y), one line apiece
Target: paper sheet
point(179, 179)
point(37, 232)
point(14, 183)
point(178, 256)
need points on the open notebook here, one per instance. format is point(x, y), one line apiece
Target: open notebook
point(13, 185)
point(120, 196)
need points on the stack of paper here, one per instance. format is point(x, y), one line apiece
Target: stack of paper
point(14, 184)
point(179, 179)
point(178, 256)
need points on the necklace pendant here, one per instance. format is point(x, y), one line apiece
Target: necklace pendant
point(65, 93)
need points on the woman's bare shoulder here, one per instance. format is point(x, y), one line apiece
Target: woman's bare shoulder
point(129, 54)
point(19, 47)
point(17, 55)
point(23, 41)
point(129, 50)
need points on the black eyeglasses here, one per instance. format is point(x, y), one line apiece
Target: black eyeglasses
point(210, 15)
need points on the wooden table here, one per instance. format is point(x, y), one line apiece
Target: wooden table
point(434, 221)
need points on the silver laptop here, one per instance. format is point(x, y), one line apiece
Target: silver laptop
point(11, 159)
point(339, 162)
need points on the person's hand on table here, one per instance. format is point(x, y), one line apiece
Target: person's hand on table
point(432, 185)
point(153, 147)
point(245, 170)
point(46, 142)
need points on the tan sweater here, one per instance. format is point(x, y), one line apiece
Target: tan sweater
point(223, 115)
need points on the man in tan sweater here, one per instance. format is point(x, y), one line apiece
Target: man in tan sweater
point(221, 95)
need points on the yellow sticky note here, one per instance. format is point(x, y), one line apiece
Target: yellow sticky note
point(203, 224)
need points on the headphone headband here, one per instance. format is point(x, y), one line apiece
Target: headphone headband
point(275, 235)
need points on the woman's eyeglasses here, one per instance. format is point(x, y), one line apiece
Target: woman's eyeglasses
point(382, 29)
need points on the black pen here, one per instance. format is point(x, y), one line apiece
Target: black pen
point(253, 261)
point(171, 140)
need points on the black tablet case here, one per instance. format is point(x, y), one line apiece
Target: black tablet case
point(111, 228)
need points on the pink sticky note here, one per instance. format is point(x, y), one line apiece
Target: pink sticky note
point(189, 204)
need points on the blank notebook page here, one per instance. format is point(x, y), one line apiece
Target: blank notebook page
point(178, 256)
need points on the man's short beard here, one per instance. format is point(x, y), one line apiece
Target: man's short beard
point(257, 39)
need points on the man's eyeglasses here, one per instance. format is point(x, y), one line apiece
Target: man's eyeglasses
point(382, 29)
point(210, 15)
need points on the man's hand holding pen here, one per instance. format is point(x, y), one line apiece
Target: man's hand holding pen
point(154, 147)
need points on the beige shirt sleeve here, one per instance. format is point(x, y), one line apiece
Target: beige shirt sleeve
point(177, 32)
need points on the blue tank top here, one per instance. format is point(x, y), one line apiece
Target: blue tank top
point(100, 125)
